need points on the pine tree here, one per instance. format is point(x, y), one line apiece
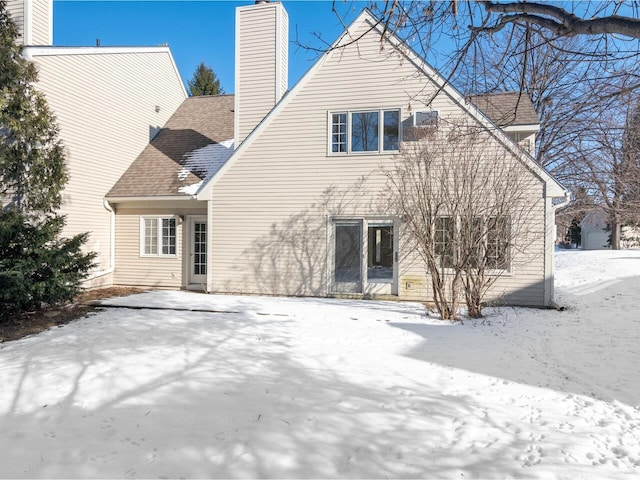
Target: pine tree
point(32, 169)
point(204, 82)
point(37, 266)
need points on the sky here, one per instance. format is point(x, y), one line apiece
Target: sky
point(196, 31)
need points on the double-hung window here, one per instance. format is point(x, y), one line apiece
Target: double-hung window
point(374, 131)
point(443, 240)
point(498, 243)
point(477, 242)
point(158, 236)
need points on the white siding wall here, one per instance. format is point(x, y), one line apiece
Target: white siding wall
point(41, 22)
point(261, 63)
point(270, 209)
point(105, 105)
point(161, 272)
point(35, 17)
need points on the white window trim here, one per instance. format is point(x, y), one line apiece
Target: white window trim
point(363, 222)
point(506, 272)
point(159, 233)
point(349, 113)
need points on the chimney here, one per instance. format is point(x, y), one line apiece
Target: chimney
point(262, 39)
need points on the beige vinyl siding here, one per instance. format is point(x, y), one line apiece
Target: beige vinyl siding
point(271, 208)
point(105, 105)
point(41, 22)
point(159, 272)
point(15, 8)
point(35, 16)
point(261, 63)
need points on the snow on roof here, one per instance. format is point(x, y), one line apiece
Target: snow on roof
point(205, 163)
point(191, 147)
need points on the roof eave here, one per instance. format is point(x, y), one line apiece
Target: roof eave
point(525, 127)
point(146, 198)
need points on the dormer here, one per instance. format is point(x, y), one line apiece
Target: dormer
point(514, 113)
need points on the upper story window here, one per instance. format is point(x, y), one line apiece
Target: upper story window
point(365, 131)
point(339, 132)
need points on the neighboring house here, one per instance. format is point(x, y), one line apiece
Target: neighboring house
point(108, 102)
point(299, 201)
point(594, 230)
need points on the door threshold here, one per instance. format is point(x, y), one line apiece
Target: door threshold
point(197, 287)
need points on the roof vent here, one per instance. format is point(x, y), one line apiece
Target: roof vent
point(258, 2)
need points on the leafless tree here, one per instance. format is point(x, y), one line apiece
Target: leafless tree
point(582, 120)
point(449, 32)
point(608, 164)
point(467, 211)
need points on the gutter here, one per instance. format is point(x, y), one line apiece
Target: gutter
point(112, 253)
point(566, 200)
point(172, 198)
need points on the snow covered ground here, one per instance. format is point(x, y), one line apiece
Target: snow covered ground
point(280, 387)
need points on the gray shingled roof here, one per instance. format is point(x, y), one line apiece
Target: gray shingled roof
point(192, 145)
point(507, 109)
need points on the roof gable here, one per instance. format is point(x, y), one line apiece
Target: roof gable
point(368, 20)
point(30, 52)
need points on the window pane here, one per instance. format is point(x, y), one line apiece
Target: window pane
point(200, 247)
point(151, 236)
point(339, 132)
point(391, 129)
point(168, 236)
point(347, 253)
point(364, 132)
point(380, 253)
point(443, 241)
point(497, 243)
point(471, 240)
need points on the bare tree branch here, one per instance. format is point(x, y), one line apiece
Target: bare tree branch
point(562, 23)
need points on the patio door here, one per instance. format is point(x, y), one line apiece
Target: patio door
point(347, 257)
point(198, 250)
point(363, 257)
point(381, 254)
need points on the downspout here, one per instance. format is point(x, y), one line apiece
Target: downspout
point(549, 266)
point(27, 23)
point(112, 232)
point(565, 202)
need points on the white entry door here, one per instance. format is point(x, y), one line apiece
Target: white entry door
point(198, 250)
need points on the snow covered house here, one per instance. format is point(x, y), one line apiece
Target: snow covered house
point(282, 209)
point(109, 102)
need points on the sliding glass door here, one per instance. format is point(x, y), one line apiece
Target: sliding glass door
point(363, 256)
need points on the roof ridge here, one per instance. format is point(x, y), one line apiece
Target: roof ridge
point(211, 96)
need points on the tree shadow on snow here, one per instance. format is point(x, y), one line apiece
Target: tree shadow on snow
point(192, 394)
